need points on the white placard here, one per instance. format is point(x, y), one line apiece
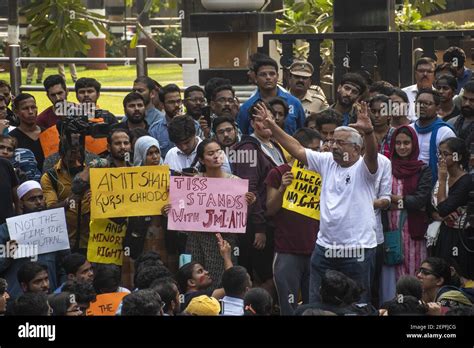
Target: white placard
point(43, 231)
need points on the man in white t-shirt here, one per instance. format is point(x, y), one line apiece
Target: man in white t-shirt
point(346, 240)
point(430, 129)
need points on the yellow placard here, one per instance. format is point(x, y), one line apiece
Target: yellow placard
point(132, 191)
point(106, 241)
point(302, 195)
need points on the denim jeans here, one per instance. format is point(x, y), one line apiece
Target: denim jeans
point(359, 269)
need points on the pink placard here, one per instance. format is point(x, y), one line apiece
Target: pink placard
point(208, 204)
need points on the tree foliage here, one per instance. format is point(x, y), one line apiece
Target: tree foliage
point(59, 27)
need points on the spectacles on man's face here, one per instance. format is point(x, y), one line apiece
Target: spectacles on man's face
point(339, 142)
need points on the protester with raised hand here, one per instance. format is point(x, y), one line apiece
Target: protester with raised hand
point(348, 182)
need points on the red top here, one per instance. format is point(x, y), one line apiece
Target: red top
point(47, 118)
point(294, 233)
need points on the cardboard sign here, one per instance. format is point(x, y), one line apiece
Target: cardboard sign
point(134, 191)
point(208, 205)
point(106, 304)
point(106, 241)
point(96, 145)
point(44, 231)
point(49, 140)
point(303, 194)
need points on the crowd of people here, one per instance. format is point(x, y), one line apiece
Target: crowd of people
point(393, 237)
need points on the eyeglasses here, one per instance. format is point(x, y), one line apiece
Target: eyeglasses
point(444, 154)
point(225, 130)
point(339, 142)
point(427, 272)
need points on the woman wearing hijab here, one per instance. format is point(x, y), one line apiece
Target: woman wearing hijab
point(145, 233)
point(411, 188)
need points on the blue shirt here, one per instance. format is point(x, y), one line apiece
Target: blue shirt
point(151, 115)
point(294, 120)
point(159, 131)
point(466, 77)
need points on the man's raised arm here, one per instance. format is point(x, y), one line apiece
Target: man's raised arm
point(289, 143)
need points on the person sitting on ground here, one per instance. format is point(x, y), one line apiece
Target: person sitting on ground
point(236, 282)
point(338, 295)
point(145, 302)
point(64, 304)
point(83, 292)
point(168, 290)
point(107, 279)
point(203, 306)
point(193, 281)
point(31, 304)
point(146, 275)
point(404, 305)
point(409, 285)
point(257, 301)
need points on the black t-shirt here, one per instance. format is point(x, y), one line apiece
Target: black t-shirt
point(12, 118)
point(26, 142)
point(8, 181)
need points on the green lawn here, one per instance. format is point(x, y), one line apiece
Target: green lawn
point(113, 76)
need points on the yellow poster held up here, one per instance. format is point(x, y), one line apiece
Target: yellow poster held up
point(106, 241)
point(302, 196)
point(133, 191)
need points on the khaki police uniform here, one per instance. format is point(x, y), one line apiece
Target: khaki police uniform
point(314, 100)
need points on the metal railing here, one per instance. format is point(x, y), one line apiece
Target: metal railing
point(388, 56)
point(141, 61)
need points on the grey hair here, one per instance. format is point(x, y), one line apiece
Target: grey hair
point(355, 137)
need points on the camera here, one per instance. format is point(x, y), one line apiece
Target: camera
point(82, 119)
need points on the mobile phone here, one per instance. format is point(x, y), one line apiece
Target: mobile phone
point(189, 170)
